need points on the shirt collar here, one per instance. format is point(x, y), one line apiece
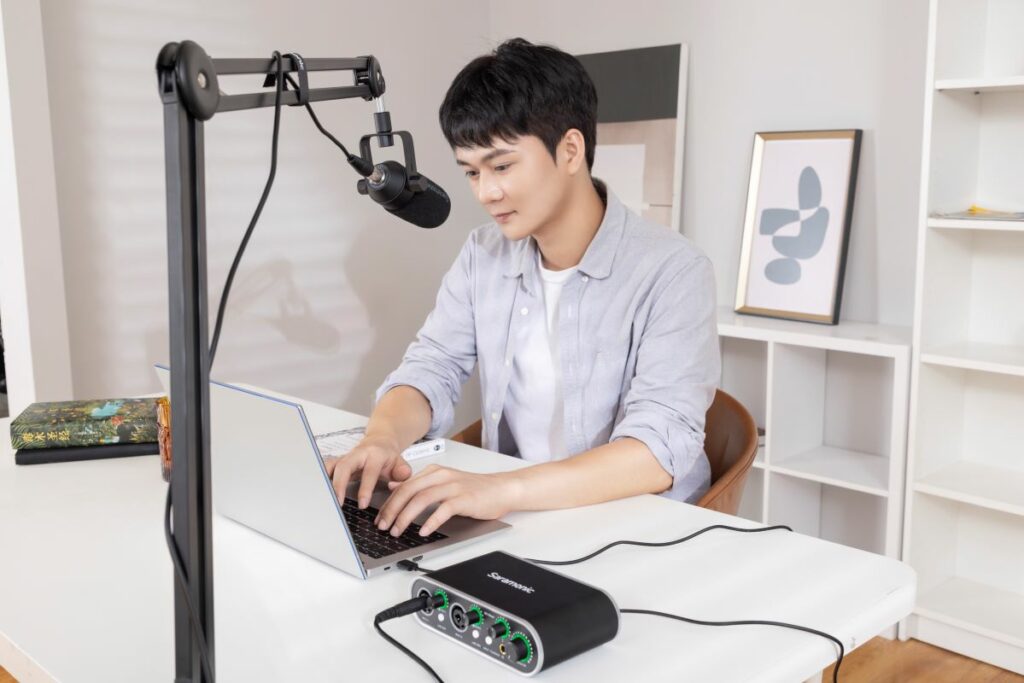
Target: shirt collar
point(597, 260)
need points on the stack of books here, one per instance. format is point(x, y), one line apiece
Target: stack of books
point(66, 431)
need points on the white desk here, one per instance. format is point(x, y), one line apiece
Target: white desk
point(86, 588)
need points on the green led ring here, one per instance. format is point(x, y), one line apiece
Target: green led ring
point(444, 594)
point(478, 611)
point(529, 646)
point(508, 627)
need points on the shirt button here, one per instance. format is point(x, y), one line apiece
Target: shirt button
point(508, 361)
point(494, 416)
point(586, 279)
point(524, 310)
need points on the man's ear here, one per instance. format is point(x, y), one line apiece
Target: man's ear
point(573, 151)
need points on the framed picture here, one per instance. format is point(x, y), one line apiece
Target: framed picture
point(796, 227)
point(641, 126)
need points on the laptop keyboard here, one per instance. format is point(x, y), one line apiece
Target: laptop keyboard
point(372, 541)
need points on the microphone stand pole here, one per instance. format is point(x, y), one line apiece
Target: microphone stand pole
point(187, 80)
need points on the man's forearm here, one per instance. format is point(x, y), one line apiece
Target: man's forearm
point(623, 468)
point(402, 416)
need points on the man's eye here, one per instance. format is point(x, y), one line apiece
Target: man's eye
point(501, 167)
point(470, 174)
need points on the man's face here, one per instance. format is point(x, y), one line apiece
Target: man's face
point(517, 182)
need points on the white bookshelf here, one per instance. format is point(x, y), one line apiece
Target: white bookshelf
point(964, 517)
point(833, 403)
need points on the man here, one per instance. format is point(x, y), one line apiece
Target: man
point(594, 329)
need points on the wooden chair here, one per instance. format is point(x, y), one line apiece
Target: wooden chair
point(730, 441)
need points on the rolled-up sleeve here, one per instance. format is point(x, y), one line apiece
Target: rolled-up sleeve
point(443, 355)
point(677, 370)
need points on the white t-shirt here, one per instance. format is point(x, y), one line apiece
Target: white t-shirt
point(535, 407)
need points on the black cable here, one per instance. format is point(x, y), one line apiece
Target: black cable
point(349, 156)
point(179, 569)
point(179, 572)
point(175, 557)
point(256, 215)
point(400, 610)
point(751, 622)
point(658, 544)
point(410, 566)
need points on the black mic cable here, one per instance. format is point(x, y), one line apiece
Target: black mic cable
point(361, 165)
point(179, 569)
point(179, 572)
point(358, 163)
point(404, 609)
point(256, 215)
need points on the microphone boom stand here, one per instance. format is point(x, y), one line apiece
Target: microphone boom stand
point(187, 79)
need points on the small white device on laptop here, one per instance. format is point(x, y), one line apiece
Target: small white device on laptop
point(268, 474)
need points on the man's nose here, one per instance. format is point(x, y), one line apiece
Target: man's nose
point(488, 190)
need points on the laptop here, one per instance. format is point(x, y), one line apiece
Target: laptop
point(268, 475)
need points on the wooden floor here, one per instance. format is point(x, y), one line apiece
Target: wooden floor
point(890, 661)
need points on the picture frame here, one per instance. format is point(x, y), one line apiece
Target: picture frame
point(796, 227)
point(641, 127)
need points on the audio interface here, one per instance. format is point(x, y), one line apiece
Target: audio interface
point(515, 613)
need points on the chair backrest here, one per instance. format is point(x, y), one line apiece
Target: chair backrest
point(730, 441)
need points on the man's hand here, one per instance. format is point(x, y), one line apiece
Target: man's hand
point(373, 457)
point(481, 496)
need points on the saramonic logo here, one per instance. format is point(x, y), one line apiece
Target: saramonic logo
point(509, 582)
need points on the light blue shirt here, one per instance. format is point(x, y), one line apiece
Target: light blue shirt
point(637, 339)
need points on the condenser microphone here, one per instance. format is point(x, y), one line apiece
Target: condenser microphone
point(398, 187)
point(412, 197)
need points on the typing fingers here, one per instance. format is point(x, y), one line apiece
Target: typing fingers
point(442, 514)
point(400, 495)
point(371, 472)
point(421, 501)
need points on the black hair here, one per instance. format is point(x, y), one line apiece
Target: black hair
point(521, 89)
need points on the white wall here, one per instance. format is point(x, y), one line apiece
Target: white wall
point(31, 281)
point(331, 289)
point(760, 65)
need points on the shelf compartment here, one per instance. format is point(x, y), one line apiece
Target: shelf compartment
point(839, 467)
point(833, 513)
point(996, 488)
point(832, 417)
point(968, 561)
point(975, 151)
point(968, 306)
point(968, 418)
point(978, 42)
point(977, 608)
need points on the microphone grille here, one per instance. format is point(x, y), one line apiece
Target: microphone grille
point(427, 209)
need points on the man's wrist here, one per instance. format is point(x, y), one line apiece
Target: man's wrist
point(513, 489)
